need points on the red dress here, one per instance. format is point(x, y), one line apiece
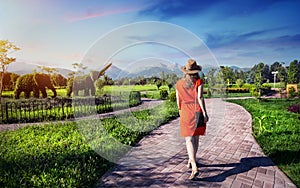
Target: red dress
point(187, 98)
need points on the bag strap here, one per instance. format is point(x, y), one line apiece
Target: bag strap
point(196, 96)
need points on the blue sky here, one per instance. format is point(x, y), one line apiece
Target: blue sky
point(242, 33)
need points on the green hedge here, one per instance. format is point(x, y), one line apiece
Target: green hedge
point(237, 90)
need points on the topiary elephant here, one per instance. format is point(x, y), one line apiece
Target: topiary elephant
point(85, 83)
point(34, 82)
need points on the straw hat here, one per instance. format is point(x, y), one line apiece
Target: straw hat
point(191, 67)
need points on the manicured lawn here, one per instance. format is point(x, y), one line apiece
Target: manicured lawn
point(238, 95)
point(277, 131)
point(62, 155)
point(152, 89)
point(60, 92)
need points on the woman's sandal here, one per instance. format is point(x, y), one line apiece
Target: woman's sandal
point(194, 174)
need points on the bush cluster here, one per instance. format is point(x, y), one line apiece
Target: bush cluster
point(292, 92)
point(172, 96)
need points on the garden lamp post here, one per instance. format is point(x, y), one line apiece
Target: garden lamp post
point(275, 72)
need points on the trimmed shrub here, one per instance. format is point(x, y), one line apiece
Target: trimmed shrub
point(292, 92)
point(172, 96)
point(163, 94)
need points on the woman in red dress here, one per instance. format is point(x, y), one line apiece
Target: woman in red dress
point(189, 93)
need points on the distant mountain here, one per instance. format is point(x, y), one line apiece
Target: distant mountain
point(154, 69)
point(21, 67)
point(150, 68)
point(239, 68)
point(235, 68)
point(115, 72)
point(27, 68)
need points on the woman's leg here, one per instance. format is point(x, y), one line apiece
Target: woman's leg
point(191, 152)
point(196, 144)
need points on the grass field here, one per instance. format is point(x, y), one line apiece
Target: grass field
point(61, 155)
point(278, 132)
point(149, 91)
point(105, 90)
point(60, 92)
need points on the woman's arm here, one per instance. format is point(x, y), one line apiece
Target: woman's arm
point(178, 100)
point(202, 102)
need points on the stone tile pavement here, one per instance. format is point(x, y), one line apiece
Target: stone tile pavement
point(228, 155)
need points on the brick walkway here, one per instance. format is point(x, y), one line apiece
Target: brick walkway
point(228, 156)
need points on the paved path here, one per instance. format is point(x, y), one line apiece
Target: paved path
point(228, 155)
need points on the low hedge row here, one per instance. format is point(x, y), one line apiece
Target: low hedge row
point(237, 90)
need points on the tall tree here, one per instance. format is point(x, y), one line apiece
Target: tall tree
point(211, 77)
point(239, 74)
point(282, 73)
point(261, 72)
point(294, 72)
point(225, 75)
point(48, 70)
point(79, 70)
point(9, 81)
point(6, 48)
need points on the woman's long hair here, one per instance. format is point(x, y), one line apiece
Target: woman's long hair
point(190, 79)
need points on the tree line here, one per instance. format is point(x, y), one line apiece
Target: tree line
point(260, 72)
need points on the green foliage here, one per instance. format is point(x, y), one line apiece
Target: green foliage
point(152, 95)
point(59, 80)
point(70, 86)
point(56, 155)
point(34, 83)
point(48, 156)
point(84, 83)
point(226, 75)
point(294, 72)
point(240, 82)
point(6, 48)
point(9, 81)
point(158, 83)
point(292, 92)
point(172, 96)
point(163, 94)
point(134, 98)
point(209, 94)
point(26, 84)
point(277, 131)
